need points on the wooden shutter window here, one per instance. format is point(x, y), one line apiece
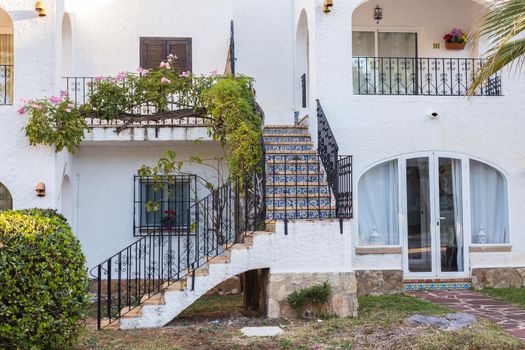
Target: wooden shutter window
point(155, 50)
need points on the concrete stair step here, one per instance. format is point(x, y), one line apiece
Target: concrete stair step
point(222, 259)
point(412, 285)
point(157, 299)
point(299, 203)
point(135, 312)
point(281, 215)
point(288, 148)
point(177, 286)
point(238, 246)
point(105, 324)
point(318, 184)
point(277, 138)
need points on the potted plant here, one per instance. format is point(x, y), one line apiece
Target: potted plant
point(455, 40)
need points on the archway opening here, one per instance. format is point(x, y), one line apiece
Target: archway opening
point(6, 200)
point(67, 46)
point(302, 74)
point(6, 58)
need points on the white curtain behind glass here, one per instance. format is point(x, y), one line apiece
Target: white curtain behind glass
point(489, 208)
point(378, 205)
point(457, 190)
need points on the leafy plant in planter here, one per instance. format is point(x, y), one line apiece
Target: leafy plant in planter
point(311, 301)
point(455, 40)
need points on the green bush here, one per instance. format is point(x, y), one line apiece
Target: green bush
point(311, 300)
point(43, 281)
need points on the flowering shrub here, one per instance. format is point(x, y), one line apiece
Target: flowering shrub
point(54, 121)
point(155, 94)
point(456, 36)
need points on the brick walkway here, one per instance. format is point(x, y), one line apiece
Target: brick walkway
point(506, 316)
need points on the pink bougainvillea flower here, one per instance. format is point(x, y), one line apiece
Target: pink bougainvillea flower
point(55, 100)
point(164, 65)
point(36, 106)
point(121, 76)
point(185, 74)
point(64, 93)
point(171, 58)
point(99, 78)
point(142, 71)
point(68, 110)
point(70, 105)
point(21, 110)
point(214, 72)
point(165, 80)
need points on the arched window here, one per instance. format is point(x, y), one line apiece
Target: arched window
point(6, 58)
point(378, 205)
point(6, 201)
point(489, 207)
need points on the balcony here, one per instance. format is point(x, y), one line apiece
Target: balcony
point(79, 87)
point(420, 76)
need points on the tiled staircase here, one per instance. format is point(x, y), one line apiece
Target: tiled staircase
point(296, 186)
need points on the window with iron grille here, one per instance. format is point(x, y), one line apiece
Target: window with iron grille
point(163, 205)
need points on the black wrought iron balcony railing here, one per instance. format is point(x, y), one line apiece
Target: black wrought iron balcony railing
point(79, 91)
point(6, 84)
point(420, 76)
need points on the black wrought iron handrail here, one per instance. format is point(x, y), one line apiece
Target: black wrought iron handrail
point(231, 53)
point(338, 168)
point(6, 84)
point(79, 89)
point(420, 76)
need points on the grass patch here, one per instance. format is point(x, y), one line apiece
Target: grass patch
point(213, 307)
point(514, 296)
point(380, 325)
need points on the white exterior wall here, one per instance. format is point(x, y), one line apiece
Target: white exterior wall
point(102, 181)
point(35, 47)
point(376, 128)
point(106, 34)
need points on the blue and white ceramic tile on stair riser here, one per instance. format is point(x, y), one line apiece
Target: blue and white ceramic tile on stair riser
point(270, 158)
point(279, 190)
point(292, 179)
point(410, 287)
point(285, 131)
point(311, 168)
point(301, 203)
point(313, 214)
point(274, 139)
point(288, 148)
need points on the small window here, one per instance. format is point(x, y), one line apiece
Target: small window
point(6, 201)
point(155, 50)
point(489, 212)
point(170, 200)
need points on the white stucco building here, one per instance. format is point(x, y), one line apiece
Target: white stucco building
point(438, 178)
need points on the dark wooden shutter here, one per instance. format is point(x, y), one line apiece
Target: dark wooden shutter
point(182, 49)
point(155, 50)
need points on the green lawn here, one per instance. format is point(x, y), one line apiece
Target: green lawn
point(514, 296)
point(380, 325)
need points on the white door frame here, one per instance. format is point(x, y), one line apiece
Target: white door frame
point(433, 158)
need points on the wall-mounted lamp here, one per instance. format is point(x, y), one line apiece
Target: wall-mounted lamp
point(327, 7)
point(378, 14)
point(40, 189)
point(40, 9)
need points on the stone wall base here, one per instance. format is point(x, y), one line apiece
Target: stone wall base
point(379, 282)
point(344, 292)
point(498, 277)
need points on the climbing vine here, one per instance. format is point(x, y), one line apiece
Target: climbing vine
point(226, 102)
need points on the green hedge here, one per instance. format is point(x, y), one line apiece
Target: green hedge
point(43, 281)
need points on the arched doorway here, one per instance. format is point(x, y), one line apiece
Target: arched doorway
point(6, 201)
point(6, 58)
point(302, 74)
point(67, 46)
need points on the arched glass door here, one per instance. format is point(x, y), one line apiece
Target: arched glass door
point(434, 216)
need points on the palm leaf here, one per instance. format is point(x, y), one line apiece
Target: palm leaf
point(504, 21)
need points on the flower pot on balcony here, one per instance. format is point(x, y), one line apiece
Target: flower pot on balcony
point(455, 45)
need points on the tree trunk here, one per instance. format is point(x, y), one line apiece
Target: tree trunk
point(255, 284)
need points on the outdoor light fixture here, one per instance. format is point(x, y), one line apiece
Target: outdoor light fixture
point(378, 14)
point(40, 189)
point(327, 7)
point(40, 9)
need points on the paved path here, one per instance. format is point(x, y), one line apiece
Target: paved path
point(506, 316)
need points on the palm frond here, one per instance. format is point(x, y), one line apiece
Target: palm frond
point(511, 53)
point(504, 21)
